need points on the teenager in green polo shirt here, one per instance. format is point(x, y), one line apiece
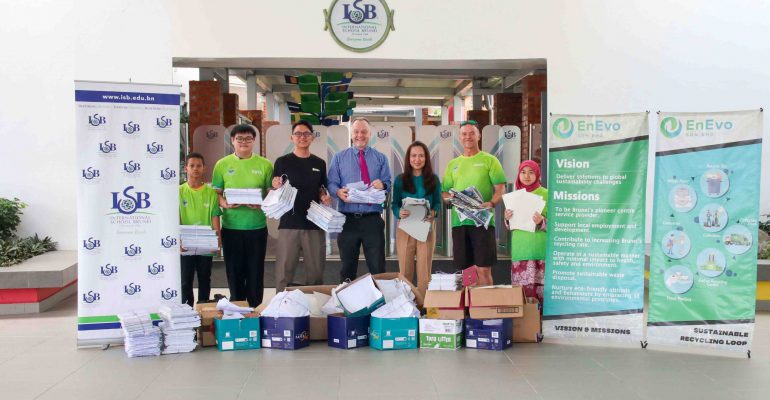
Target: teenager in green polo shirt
point(244, 230)
point(198, 205)
point(471, 244)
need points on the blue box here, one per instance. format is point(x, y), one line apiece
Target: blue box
point(348, 332)
point(488, 334)
point(285, 333)
point(394, 333)
point(237, 334)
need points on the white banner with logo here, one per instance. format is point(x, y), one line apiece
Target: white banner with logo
point(128, 203)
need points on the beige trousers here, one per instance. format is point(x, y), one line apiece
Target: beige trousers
point(407, 248)
point(311, 243)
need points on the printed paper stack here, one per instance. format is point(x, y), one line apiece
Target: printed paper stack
point(178, 328)
point(441, 281)
point(279, 201)
point(467, 204)
point(141, 337)
point(198, 239)
point(244, 196)
point(360, 192)
point(326, 217)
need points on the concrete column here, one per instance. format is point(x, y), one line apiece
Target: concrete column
point(251, 92)
point(458, 108)
point(417, 117)
point(270, 107)
point(444, 115)
point(284, 116)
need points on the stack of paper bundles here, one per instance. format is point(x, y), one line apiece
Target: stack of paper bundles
point(198, 239)
point(178, 328)
point(244, 196)
point(279, 201)
point(232, 311)
point(360, 192)
point(524, 205)
point(399, 307)
point(141, 337)
point(288, 304)
point(360, 297)
point(327, 218)
point(442, 281)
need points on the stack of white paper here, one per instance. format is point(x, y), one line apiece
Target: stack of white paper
point(279, 201)
point(141, 337)
point(524, 205)
point(327, 218)
point(198, 239)
point(416, 225)
point(359, 294)
point(360, 192)
point(333, 305)
point(289, 303)
point(317, 300)
point(232, 311)
point(442, 281)
point(400, 307)
point(178, 328)
point(244, 196)
point(393, 288)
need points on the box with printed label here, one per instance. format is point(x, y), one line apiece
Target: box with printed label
point(445, 304)
point(348, 332)
point(441, 333)
point(237, 334)
point(393, 333)
point(285, 333)
point(492, 302)
point(488, 334)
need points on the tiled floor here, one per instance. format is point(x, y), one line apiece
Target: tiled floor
point(38, 359)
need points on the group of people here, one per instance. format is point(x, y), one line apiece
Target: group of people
point(242, 229)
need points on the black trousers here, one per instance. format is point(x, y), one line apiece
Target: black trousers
point(190, 266)
point(366, 229)
point(244, 253)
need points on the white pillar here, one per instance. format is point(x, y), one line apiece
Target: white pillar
point(417, 118)
point(251, 92)
point(444, 115)
point(458, 108)
point(270, 107)
point(284, 116)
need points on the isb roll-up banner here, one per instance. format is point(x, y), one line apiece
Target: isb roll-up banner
point(594, 281)
point(128, 203)
point(703, 261)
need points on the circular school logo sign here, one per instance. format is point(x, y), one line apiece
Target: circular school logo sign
point(670, 127)
point(359, 25)
point(562, 128)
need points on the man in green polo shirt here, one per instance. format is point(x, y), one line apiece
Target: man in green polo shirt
point(471, 244)
point(244, 230)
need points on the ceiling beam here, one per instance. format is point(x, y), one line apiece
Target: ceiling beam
point(373, 101)
point(380, 90)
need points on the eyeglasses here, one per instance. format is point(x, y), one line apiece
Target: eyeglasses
point(302, 134)
point(469, 122)
point(244, 139)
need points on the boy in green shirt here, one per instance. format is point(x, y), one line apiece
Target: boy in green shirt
point(244, 229)
point(198, 205)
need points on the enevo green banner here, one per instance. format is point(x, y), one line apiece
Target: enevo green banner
point(594, 283)
point(703, 261)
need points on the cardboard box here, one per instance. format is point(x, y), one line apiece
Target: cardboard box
point(393, 333)
point(205, 337)
point(348, 332)
point(318, 325)
point(488, 334)
point(237, 334)
point(445, 304)
point(285, 333)
point(495, 302)
point(527, 329)
point(418, 297)
point(441, 334)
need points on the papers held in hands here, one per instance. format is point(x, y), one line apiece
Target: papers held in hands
point(467, 204)
point(359, 192)
point(327, 218)
point(198, 240)
point(244, 196)
point(416, 224)
point(524, 205)
point(279, 201)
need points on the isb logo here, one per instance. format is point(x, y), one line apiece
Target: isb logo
point(168, 294)
point(670, 127)
point(91, 173)
point(132, 289)
point(382, 134)
point(108, 269)
point(167, 174)
point(562, 128)
point(132, 250)
point(129, 203)
point(168, 242)
point(155, 268)
point(108, 147)
point(154, 148)
point(132, 166)
point(131, 128)
point(91, 243)
point(97, 120)
point(511, 133)
point(91, 297)
point(446, 133)
point(359, 14)
point(163, 122)
point(211, 134)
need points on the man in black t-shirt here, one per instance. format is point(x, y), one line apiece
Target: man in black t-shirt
point(296, 233)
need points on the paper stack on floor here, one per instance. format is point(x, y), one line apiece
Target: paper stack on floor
point(141, 337)
point(244, 196)
point(178, 328)
point(442, 281)
point(198, 240)
point(360, 192)
point(327, 218)
point(279, 201)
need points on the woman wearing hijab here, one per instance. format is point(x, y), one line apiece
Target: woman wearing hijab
point(528, 248)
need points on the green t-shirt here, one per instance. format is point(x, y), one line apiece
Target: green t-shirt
point(232, 172)
point(482, 170)
point(197, 206)
point(530, 245)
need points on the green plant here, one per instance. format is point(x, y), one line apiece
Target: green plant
point(10, 217)
point(15, 250)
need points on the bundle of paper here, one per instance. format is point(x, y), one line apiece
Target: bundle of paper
point(317, 301)
point(279, 201)
point(141, 337)
point(442, 281)
point(232, 311)
point(244, 196)
point(360, 192)
point(467, 204)
point(327, 218)
point(178, 328)
point(416, 225)
point(198, 239)
point(359, 297)
point(393, 288)
point(399, 307)
point(290, 303)
point(524, 205)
